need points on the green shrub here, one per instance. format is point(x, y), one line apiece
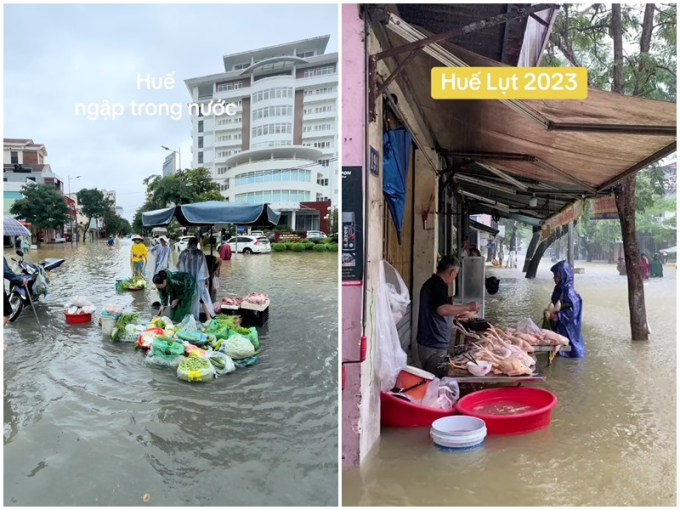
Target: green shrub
point(308, 246)
point(333, 247)
point(320, 247)
point(327, 240)
point(289, 246)
point(279, 247)
point(298, 247)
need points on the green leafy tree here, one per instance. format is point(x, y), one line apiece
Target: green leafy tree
point(93, 205)
point(182, 187)
point(628, 49)
point(42, 206)
point(116, 226)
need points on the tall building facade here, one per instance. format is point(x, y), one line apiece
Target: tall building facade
point(170, 164)
point(281, 146)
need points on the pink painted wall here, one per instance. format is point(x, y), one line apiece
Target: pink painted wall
point(353, 71)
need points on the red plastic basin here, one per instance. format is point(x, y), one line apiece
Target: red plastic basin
point(540, 401)
point(81, 318)
point(395, 412)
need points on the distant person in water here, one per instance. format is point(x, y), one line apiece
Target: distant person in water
point(657, 268)
point(139, 256)
point(111, 242)
point(621, 266)
point(645, 265)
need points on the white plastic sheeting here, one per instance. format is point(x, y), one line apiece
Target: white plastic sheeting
point(392, 301)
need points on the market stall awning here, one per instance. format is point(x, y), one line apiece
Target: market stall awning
point(483, 228)
point(214, 213)
point(554, 151)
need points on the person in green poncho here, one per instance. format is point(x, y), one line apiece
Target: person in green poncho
point(178, 291)
point(657, 268)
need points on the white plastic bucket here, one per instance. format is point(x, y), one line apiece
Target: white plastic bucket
point(458, 432)
point(458, 426)
point(459, 442)
point(108, 323)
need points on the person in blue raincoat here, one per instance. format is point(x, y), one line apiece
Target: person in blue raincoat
point(567, 321)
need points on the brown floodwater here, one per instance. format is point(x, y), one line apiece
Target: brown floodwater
point(612, 439)
point(88, 423)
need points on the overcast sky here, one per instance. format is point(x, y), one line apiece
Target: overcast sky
point(60, 55)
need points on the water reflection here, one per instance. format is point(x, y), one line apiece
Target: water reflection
point(88, 423)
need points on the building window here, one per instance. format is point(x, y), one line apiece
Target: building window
point(317, 92)
point(272, 129)
point(309, 73)
point(200, 158)
point(245, 65)
point(266, 197)
point(221, 170)
point(325, 162)
point(223, 87)
point(322, 145)
point(323, 127)
point(321, 181)
point(273, 111)
point(200, 126)
point(275, 93)
point(224, 154)
point(322, 71)
point(306, 54)
point(200, 142)
point(264, 176)
point(15, 157)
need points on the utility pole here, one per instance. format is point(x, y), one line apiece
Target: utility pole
point(74, 209)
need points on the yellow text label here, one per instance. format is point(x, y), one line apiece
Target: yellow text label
point(509, 83)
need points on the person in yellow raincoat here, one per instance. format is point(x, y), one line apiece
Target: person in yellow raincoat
point(139, 256)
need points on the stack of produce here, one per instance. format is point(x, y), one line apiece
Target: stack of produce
point(131, 284)
point(79, 305)
point(121, 330)
point(257, 299)
point(508, 351)
point(196, 369)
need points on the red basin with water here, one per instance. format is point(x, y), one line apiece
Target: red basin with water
point(510, 410)
point(396, 412)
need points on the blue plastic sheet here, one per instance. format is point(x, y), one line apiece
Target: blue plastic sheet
point(568, 322)
point(396, 155)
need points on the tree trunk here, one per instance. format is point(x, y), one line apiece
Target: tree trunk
point(530, 250)
point(625, 191)
point(532, 269)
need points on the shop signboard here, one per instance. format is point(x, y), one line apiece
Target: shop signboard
point(564, 217)
point(375, 163)
point(352, 227)
point(603, 208)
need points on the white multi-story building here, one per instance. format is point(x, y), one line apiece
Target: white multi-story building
point(281, 147)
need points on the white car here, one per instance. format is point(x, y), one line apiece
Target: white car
point(249, 244)
point(257, 233)
point(182, 243)
point(316, 234)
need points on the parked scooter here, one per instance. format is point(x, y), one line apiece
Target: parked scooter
point(38, 283)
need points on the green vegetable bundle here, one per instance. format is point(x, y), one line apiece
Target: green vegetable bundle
point(249, 333)
point(121, 324)
point(195, 369)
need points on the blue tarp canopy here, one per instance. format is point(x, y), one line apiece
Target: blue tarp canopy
point(396, 155)
point(214, 213)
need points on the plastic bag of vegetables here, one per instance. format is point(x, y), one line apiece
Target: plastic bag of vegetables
point(223, 364)
point(121, 324)
point(237, 347)
point(165, 352)
point(196, 337)
point(249, 333)
point(196, 369)
point(161, 322)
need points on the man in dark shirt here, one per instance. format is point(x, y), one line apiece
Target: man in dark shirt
point(435, 317)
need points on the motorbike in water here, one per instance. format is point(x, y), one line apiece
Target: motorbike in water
point(38, 276)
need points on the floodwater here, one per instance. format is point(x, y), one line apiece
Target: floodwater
point(87, 422)
point(612, 439)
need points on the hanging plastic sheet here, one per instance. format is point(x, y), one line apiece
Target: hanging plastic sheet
point(396, 156)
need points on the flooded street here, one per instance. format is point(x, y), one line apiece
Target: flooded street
point(87, 422)
point(612, 439)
